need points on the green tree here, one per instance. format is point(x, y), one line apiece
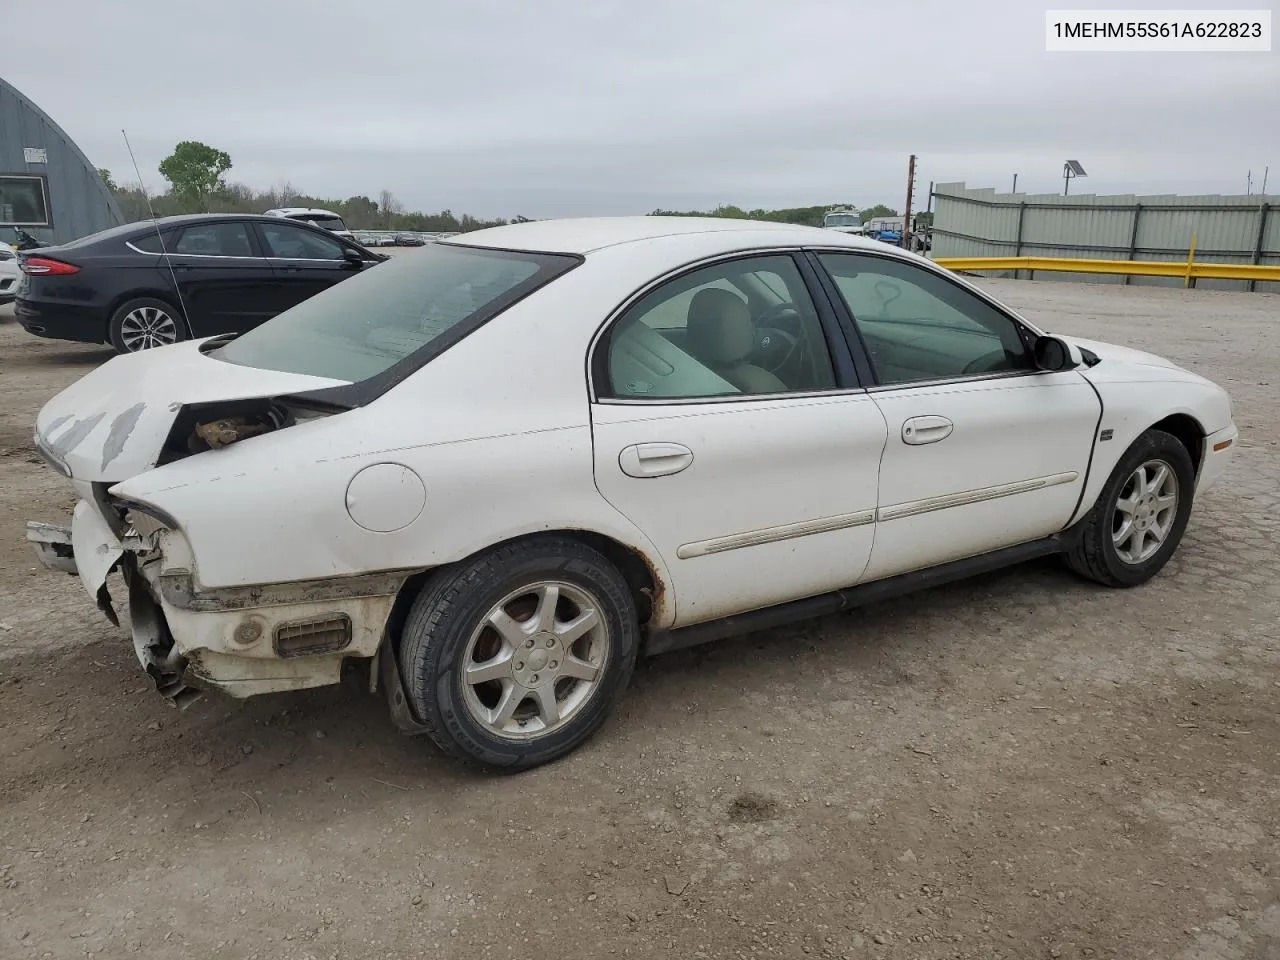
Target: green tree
point(105, 174)
point(132, 201)
point(194, 171)
point(879, 210)
point(805, 216)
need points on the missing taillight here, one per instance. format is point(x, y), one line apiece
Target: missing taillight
point(224, 432)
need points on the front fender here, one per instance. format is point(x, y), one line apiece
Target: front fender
point(1131, 407)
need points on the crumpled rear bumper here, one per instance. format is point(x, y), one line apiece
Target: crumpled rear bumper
point(241, 641)
point(52, 544)
point(88, 549)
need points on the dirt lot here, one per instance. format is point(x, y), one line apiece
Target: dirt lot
point(1019, 766)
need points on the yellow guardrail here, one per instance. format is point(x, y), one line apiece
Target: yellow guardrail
point(1188, 270)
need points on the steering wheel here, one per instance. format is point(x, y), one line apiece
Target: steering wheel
point(775, 346)
point(995, 360)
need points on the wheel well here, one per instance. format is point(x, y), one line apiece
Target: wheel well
point(1188, 431)
point(124, 298)
point(646, 586)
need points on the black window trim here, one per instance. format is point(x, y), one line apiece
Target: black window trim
point(847, 381)
point(363, 392)
point(1026, 331)
point(43, 180)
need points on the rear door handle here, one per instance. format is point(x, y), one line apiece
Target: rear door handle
point(654, 459)
point(929, 429)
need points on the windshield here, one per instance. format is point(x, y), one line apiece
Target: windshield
point(363, 326)
point(328, 223)
point(843, 220)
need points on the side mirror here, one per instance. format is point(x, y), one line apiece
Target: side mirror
point(351, 259)
point(1053, 354)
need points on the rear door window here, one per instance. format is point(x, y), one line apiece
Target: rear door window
point(215, 240)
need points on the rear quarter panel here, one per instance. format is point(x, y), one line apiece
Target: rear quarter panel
point(497, 428)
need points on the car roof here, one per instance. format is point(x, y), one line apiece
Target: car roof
point(179, 219)
point(582, 235)
point(128, 231)
point(293, 211)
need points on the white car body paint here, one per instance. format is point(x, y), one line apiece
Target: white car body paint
point(110, 424)
point(96, 548)
point(1018, 455)
point(733, 505)
point(803, 478)
point(1139, 389)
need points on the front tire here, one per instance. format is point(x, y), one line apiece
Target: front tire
point(514, 659)
point(1140, 516)
point(144, 323)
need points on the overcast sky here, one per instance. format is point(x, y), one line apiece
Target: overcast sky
point(568, 107)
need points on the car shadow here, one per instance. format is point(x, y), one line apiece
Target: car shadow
point(87, 356)
point(277, 757)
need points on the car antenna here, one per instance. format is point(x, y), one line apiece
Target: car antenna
point(156, 223)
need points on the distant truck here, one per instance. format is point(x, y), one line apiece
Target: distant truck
point(845, 221)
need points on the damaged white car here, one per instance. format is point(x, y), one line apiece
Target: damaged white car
point(497, 471)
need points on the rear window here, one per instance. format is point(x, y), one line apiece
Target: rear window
point(405, 310)
point(150, 242)
point(327, 223)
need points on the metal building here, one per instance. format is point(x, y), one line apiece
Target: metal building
point(47, 185)
point(1245, 230)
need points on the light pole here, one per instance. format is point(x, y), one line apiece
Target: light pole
point(1071, 169)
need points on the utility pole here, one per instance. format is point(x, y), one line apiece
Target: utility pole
point(1248, 183)
point(906, 214)
point(1265, 171)
point(1015, 184)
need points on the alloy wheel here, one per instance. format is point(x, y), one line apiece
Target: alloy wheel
point(147, 327)
point(1145, 512)
point(536, 659)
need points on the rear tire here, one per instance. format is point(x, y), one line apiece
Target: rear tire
point(1140, 515)
point(143, 323)
point(514, 659)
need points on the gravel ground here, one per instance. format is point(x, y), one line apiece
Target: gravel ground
point(1023, 765)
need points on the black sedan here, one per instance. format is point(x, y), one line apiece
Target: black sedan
point(157, 282)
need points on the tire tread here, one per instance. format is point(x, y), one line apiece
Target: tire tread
point(1086, 555)
point(447, 590)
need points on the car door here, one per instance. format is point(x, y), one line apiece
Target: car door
point(305, 261)
point(983, 451)
point(751, 468)
point(225, 283)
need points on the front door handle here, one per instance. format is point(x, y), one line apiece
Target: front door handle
point(654, 459)
point(930, 429)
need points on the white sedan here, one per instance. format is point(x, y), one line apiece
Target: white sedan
point(496, 472)
point(9, 273)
